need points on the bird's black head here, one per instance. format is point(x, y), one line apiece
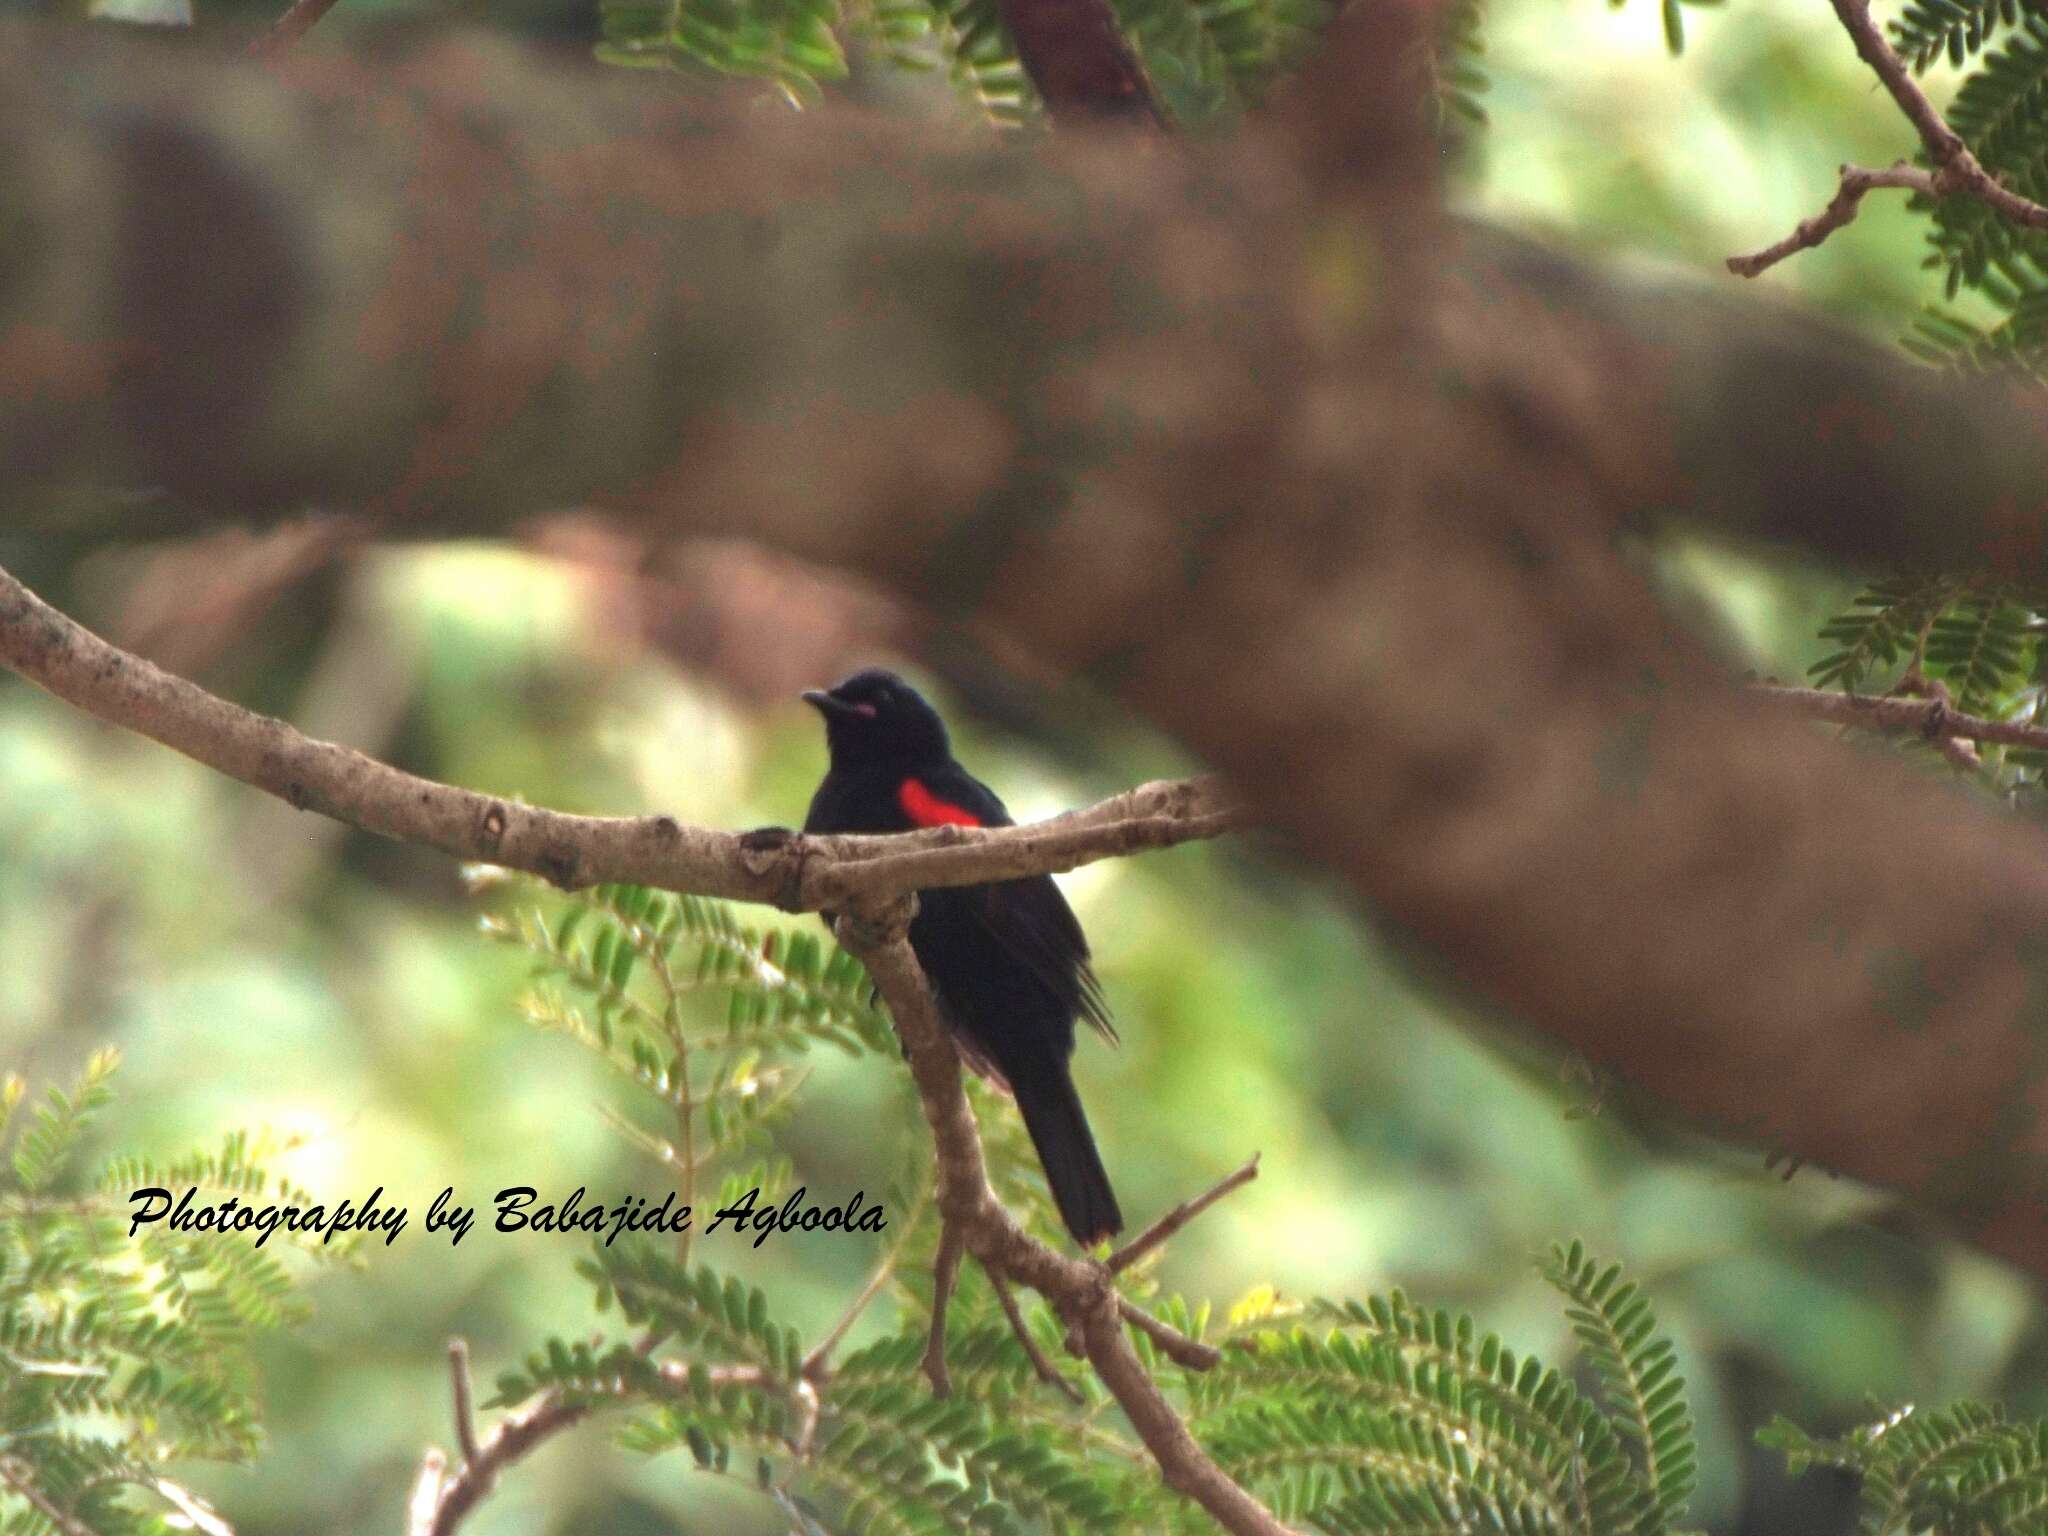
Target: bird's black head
point(874, 717)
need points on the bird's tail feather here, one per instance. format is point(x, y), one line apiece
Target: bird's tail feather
point(1066, 1149)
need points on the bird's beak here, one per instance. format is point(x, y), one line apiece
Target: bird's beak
point(823, 702)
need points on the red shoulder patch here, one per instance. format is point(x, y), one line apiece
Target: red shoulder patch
point(926, 809)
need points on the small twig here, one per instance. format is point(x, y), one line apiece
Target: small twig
point(1856, 180)
point(19, 1480)
point(454, 1496)
point(294, 24)
point(817, 1364)
point(819, 1360)
point(465, 1411)
point(1177, 1218)
point(1957, 172)
point(1174, 1344)
point(1935, 719)
point(422, 1510)
point(1047, 1371)
point(198, 1514)
point(1916, 684)
point(812, 1404)
point(952, 1246)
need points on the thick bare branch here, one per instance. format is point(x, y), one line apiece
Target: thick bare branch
point(798, 873)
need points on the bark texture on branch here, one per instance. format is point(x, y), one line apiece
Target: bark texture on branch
point(1320, 482)
point(775, 866)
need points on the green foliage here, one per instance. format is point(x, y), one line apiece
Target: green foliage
point(1886, 623)
point(1979, 640)
point(1459, 76)
point(792, 42)
point(707, 1015)
point(2002, 114)
point(1980, 646)
point(1208, 58)
point(1928, 29)
point(1638, 1373)
point(1955, 1471)
point(1407, 1419)
point(1391, 1417)
point(122, 1355)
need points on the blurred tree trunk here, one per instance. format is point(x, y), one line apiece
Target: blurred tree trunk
point(1333, 488)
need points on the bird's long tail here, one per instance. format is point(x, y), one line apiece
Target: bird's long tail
point(1066, 1149)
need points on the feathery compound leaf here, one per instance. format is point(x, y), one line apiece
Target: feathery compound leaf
point(2001, 111)
point(51, 1137)
point(1603, 1490)
point(1637, 1371)
point(1882, 626)
point(792, 42)
point(120, 1355)
point(1533, 1459)
point(724, 1315)
point(1980, 647)
point(1927, 29)
point(1963, 1468)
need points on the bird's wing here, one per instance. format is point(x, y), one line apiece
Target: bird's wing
point(1030, 918)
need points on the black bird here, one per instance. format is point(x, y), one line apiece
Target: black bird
point(1007, 960)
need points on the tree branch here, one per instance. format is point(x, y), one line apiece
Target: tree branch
point(1855, 181)
point(798, 873)
point(1080, 61)
point(1934, 718)
point(1178, 1217)
point(1081, 1292)
point(1957, 172)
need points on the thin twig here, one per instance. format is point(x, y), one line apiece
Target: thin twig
point(945, 1271)
point(1916, 684)
point(817, 1364)
point(1177, 1218)
point(1047, 1371)
point(465, 1410)
point(1841, 210)
point(1957, 172)
point(294, 24)
point(818, 1361)
point(509, 1441)
point(1174, 1344)
point(1935, 719)
point(198, 1514)
point(22, 1483)
point(422, 1510)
